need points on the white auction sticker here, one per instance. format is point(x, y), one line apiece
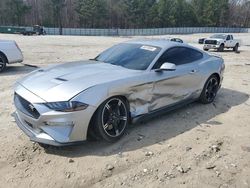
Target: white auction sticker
point(149, 48)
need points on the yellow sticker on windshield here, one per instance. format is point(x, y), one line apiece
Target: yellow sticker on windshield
point(149, 48)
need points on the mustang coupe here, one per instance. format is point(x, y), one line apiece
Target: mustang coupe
point(128, 82)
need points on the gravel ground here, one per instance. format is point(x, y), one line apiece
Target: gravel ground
point(195, 146)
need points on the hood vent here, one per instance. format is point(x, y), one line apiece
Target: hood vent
point(58, 80)
point(61, 79)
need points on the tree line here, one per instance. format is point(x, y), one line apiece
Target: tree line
point(126, 13)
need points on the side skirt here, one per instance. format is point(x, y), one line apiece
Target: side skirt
point(161, 111)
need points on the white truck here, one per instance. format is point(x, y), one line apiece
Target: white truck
point(220, 42)
point(9, 53)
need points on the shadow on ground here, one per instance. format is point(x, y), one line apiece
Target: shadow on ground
point(227, 51)
point(18, 69)
point(161, 128)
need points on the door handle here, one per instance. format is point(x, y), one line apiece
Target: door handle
point(193, 71)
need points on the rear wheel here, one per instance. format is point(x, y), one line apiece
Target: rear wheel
point(3, 62)
point(111, 119)
point(221, 48)
point(210, 90)
point(205, 49)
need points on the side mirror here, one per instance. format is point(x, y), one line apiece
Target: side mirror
point(166, 67)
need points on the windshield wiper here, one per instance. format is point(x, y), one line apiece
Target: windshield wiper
point(93, 59)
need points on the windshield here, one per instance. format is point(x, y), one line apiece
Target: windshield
point(219, 36)
point(131, 56)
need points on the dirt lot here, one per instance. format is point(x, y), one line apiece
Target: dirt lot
point(196, 146)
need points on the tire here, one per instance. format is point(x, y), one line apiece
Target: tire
point(3, 62)
point(205, 49)
point(111, 119)
point(210, 90)
point(236, 47)
point(221, 48)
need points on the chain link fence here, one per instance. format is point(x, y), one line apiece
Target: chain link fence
point(132, 32)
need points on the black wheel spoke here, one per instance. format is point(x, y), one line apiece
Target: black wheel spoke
point(211, 89)
point(108, 107)
point(106, 126)
point(123, 118)
point(116, 129)
point(117, 108)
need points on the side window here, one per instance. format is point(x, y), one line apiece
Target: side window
point(228, 37)
point(232, 37)
point(178, 56)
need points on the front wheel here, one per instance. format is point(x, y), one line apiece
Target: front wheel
point(221, 48)
point(210, 90)
point(111, 119)
point(3, 62)
point(236, 47)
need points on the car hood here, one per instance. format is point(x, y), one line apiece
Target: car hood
point(62, 82)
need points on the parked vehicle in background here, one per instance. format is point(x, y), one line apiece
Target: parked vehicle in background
point(173, 39)
point(36, 30)
point(176, 40)
point(220, 42)
point(128, 82)
point(9, 53)
point(201, 41)
point(11, 29)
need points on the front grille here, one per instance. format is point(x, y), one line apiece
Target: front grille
point(210, 42)
point(25, 106)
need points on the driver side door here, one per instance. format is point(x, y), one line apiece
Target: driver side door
point(172, 87)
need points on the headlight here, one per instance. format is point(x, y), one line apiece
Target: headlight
point(69, 106)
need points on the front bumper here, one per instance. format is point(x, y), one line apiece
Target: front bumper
point(51, 127)
point(40, 138)
point(211, 46)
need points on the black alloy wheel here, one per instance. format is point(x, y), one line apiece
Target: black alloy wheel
point(3, 62)
point(111, 119)
point(210, 90)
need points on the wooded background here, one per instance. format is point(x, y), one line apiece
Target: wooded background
point(125, 13)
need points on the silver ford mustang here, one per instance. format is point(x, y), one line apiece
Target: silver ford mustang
point(128, 82)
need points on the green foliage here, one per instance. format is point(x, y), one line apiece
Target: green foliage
point(211, 12)
point(166, 11)
point(16, 10)
point(57, 7)
point(92, 13)
point(125, 13)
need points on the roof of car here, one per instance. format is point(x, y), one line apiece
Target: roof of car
point(162, 43)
